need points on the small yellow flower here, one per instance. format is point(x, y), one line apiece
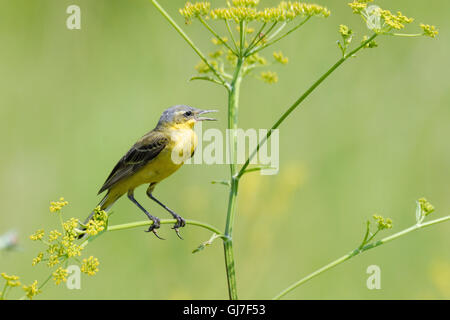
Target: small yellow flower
point(382, 223)
point(53, 260)
point(429, 31)
point(56, 206)
point(426, 207)
point(216, 54)
point(218, 42)
point(37, 259)
point(54, 235)
point(344, 30)
point(198, 9)
point(269, 77)
point(280, 57)
point(32, 290)
point(202, 67)
point(73, 250)
point(357, 6)
point(11, 281)
point(245, 3)
point(256, 58)
point(90, 265)
point(60, 275)
point(38, 235)
point(70, 227)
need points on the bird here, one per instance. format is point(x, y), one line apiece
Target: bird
point(154, 157)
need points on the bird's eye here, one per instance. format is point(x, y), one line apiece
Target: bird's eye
point(187, 113)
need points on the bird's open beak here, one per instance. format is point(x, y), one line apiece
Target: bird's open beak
point(204, 118)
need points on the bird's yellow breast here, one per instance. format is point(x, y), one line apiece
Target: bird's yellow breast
point(181, 146)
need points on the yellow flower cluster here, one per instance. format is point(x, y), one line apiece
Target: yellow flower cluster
point(269, 77)
point(56, 206)
point(245, 10)
point(216, 54)
point(198, 9)
point(426, 207)
point(11, 281)
point(97, 223)
point(31, 290)
point(217, 41)
point(37, 259)
point(54, 235)
point(344, 30)
point(235, 13)
point(202, 67)
point(256, 58)
point(38, 235)
point(60, 275)
point(357, 6)
point(382, 223)
point(429, 31)
point(279, 57)
point(285, 11)
point(245, 3)
point(395, 21)
point(90, 266)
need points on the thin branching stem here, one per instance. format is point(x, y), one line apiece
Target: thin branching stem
point(262, 37)
point(207, 26)
point(231, 35)
point(256, 37)
point(271, 42)
point(300, 100)
point(358, 251)
point(189, 41)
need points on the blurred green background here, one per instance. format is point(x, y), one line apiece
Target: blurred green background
point(372, 139)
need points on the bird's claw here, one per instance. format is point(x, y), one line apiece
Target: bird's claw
point(156, 224)
point(177, 231)
point(179, 224)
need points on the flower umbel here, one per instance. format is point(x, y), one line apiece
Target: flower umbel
point(382, 223)
point(90, 265)
point(429, 31)
point(56, 206)
point(32, 290)
point(60, 275)
point(11, 281)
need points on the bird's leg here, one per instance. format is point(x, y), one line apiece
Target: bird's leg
point(156, 223)
point(180, 221)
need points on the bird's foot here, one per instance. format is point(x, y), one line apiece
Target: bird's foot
point(179, 224)
point(156, 224)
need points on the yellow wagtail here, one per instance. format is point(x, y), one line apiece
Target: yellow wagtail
point(154, 157)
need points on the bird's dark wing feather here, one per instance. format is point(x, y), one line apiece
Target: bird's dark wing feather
point(146, 149)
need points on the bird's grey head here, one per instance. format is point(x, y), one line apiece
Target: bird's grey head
point(181, 114)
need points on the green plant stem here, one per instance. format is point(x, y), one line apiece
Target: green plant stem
point(261, 38)
point(233, 107)
point(231, 35)
point(271, 42)
point(256, 37)
point(358, 251)
point(300, 100)
point(207, 26)
point(132, 225)
point(189, 41)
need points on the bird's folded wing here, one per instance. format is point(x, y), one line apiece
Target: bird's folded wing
point(146, 149)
